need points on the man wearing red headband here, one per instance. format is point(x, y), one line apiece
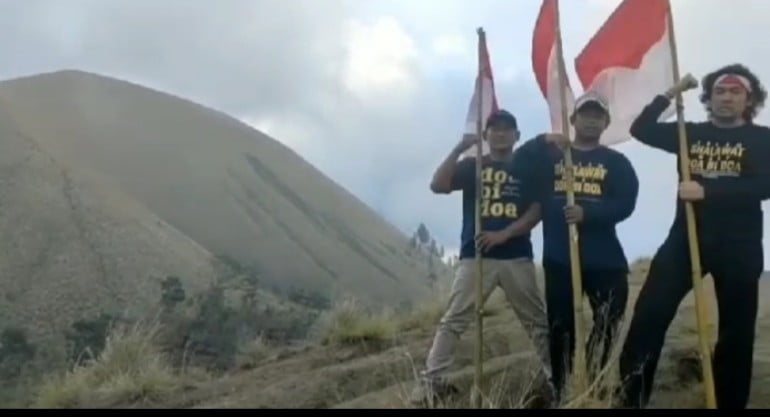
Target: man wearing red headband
point(730, 166)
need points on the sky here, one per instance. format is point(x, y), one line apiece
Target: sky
point(374, 93)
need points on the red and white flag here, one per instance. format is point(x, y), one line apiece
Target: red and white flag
point(546, 63)
point(487, 96)
point(628, 61)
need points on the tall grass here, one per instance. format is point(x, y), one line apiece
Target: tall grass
point(350, 323)
point(130, 369)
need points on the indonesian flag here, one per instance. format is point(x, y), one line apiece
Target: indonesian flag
point(487, 96)
point(546, 63)
point(628, 62)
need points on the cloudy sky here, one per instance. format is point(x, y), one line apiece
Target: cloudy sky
point(352, 84)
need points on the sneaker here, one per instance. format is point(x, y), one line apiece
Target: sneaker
point(427, 393)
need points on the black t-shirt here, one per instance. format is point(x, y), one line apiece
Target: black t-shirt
point(606, 187)
point(732, 165)
point(504, 198)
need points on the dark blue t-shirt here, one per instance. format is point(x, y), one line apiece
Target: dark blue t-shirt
point(606, 187)
point(504, 199)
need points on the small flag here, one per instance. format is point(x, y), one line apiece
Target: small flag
point(489, 99)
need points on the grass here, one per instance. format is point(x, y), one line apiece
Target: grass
point(349, 323)
point(131, 369)
point(135, 374)
point(256, 353)
point(428, 312)
point(511, 386)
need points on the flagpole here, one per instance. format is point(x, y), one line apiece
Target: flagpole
point(479, 348)
point(579, 368)
point(695, 258)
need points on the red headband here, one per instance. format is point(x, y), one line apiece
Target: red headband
point(732, 80)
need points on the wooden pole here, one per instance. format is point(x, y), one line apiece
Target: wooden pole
point(579, 361)
point(479, 348)
point(695, 260)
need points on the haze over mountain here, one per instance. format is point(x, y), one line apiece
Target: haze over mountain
point(107, 183)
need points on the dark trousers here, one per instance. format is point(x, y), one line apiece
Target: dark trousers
point(607, 291)
point(736, 268)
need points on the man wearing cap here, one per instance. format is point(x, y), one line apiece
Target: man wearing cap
point(606, 189)
point(508, 213)
point(730, 176)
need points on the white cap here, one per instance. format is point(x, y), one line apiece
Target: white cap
point(592, 97)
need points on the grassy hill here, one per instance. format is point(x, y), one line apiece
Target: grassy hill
point(370, 360)
point(227, 187)
point(122, 203)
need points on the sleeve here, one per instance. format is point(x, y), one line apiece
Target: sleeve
point(647, 129)
point(464, 175)
point(619, 199)
point(531, 164)
point(755, 185)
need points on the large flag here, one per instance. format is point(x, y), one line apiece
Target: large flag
point(487, 96)
point(629, 61)
point(546, 62)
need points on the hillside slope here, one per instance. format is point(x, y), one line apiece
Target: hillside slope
point(356, 377)
point(74, 248)
point(230, 188)
point(380, 372)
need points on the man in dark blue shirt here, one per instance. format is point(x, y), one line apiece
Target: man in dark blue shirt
point(508, 213)
point(606, 189)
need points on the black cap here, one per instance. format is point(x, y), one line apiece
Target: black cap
point(502, 116)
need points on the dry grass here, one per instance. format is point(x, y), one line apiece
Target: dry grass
point(428, 312)
point(598, 387)
point(256, 353)
point(515, 388)
point(130, 370)
point(349, 323)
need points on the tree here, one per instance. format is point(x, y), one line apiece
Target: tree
point(422, 234)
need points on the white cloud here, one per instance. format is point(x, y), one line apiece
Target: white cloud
point(508, 73)
point(452, 46)
point(381, 58)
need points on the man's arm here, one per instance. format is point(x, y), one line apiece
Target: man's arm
point(519, 227)
point(530, 162)
point(452, 175)
point(647, 129)
point(530, 166)
point(622, 191)
point(525, 223)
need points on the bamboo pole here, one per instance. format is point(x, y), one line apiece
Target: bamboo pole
point(479, 348)
point(692, 236)
point(579, 361)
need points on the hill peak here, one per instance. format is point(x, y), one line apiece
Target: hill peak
point(73, 81)
point(67, 74)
